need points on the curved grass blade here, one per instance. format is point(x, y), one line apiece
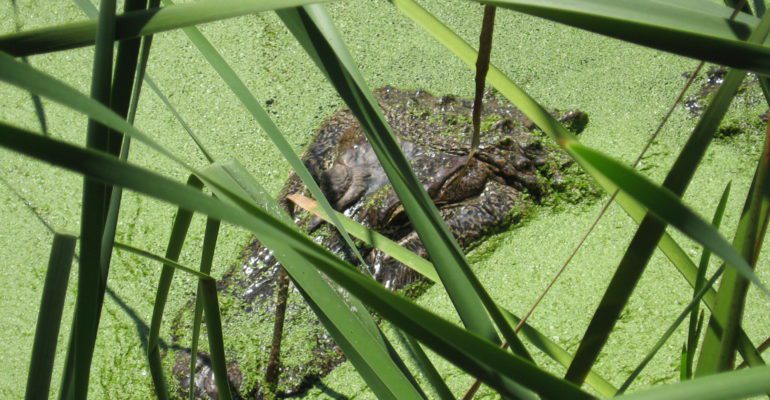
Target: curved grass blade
point(562, 136)
point(426, 269)
point(718, 351)
point(239, 89)
point(693, 330)
point(651, 229)
point(666, 206)
point(470, 352)
point(207, 259)
point(49, 316)
point(90, 10)
point(31, 79)
point(26, 77)
point(426, 367)
point(372, 238)
point(137, 23)
point(207, 295)
point(466, 350)
point(176, 240)
point(670, 331)
point(314, 29)
point(420, 209)
point(345, 317)
point(674, 29)
point(729, 385)
point(689, 271)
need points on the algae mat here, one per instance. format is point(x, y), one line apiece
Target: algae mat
point(624, 88)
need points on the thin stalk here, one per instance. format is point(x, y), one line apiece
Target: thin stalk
point(95, 198)
point(272, 371)
point(482, 67)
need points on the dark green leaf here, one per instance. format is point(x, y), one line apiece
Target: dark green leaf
point(137, 23)
point(49, 317)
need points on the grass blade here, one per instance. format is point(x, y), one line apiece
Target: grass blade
point(730, 385)
point(235, 83)
point(36, 102)
point(670, 331)
point(26, 77)
point(666, 206)
point(208, 296)
point(676, 29)
point(176, 240)
point(650, 229)
point(207, 259)
point(345, 317)
point(693, 330)
point(216, 341)
point(468, 351)
point(689, 271)
point(90, 10)
point(538, 114)
point(49, 316)
point(426, 269)
point(372, 238)
point(426, 367)
point(164, 260)
point(718, 351)
point(94, 209)
point(436, 238)
point(314, 29)
point(137, 23)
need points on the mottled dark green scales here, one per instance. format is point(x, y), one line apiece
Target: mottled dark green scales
point(513, 170)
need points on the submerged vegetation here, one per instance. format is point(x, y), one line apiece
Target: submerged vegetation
point(399, 347)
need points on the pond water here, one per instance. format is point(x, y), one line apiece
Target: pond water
point(625, 89)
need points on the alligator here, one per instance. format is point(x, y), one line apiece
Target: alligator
point(478, 195)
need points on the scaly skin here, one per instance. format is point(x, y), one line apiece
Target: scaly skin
point(475, 197)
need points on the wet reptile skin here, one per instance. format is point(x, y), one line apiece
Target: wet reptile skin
point(511, 171)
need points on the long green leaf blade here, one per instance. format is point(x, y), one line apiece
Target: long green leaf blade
point(346, 319)
point(49, 316)
point(96, 197)
point(176, 240)
point(666, 206)
point(730, 385)
point(670, 331)
point(316, 32)
point(562, 136)
point(207, 259)
point(676, 29)
point(718, 352)
point(651, 229)
point(137, 23)
point(693, 331)
point(242, 92)
point(24, 76)
point(468, 351)
point(426, 269)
